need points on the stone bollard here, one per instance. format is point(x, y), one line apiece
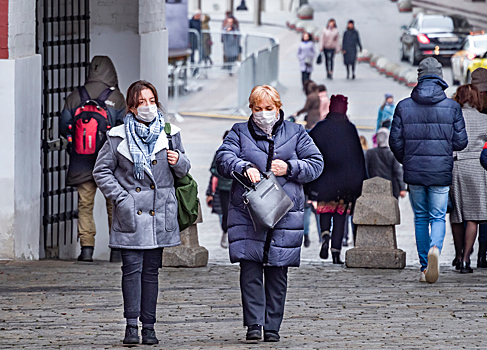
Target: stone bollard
point(376, 213)
point(189, 253)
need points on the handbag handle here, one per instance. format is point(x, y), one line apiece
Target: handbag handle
point(241, 178)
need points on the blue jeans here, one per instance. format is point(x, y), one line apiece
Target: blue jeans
point(429, 206)
point(307, 220)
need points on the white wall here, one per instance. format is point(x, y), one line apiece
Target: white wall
point(21, 28)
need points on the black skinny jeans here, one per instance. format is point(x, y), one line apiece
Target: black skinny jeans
point(329, 57)
point(140, 283)
point(224, 201)
point(339, 222)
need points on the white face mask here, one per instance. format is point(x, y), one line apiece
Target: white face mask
point(146, 113)
point(265, 120)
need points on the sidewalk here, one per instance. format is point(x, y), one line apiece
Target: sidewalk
point(69, 305)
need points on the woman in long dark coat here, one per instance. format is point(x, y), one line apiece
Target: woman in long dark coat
point(340, 183)
point(267, 143)
point(351, 40)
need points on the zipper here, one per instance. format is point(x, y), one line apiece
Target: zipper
point(84, 138)
point(89, 142)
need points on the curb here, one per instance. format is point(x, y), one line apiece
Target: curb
point(401, 74)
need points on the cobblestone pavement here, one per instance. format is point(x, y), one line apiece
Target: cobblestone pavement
point(69, 305)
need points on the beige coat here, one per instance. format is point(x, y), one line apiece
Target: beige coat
point(330, 39)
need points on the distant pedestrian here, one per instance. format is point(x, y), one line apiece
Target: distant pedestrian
point(469, 186)
point(267, 143)
point(426, 129)
point(311, 108)
point(340, 183)
point(479, 79)
point(228, 15)
point(306, 55)
point(136, 171)
point(351, 40)
point(231, 44)
point(218, 197)
point(195, 23)
point(380, 162)
point(206, 41)
point(324, 101)
point(386, 112)
point(330, 45)
point(101, 87)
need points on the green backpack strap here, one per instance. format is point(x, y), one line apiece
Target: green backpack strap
point(167, 130)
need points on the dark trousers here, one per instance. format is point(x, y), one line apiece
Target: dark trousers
point(348, 69)
point(483, 233)
point(140, 284)
point(224, 201)
point(305, 76)
point(329, 56)
point(263, 291)
point(339, 222)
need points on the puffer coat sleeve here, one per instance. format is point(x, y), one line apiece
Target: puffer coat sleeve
point(459, 139)
point(396, 138)
point(228, 156)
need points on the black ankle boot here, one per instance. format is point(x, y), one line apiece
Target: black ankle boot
point(149, 336)
point(325, 245)
point(86, 254)
point(115, 255)
point(336, 258)
point(254, 332)
point(482, 260)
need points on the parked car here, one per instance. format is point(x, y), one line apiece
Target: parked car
point(472, 55)
point(433, 35)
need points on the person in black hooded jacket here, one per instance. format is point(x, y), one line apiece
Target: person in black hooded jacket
point(102, 76)
point(426, 128)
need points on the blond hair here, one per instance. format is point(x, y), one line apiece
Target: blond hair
point(260, 93)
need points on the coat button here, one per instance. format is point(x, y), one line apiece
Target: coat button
point(152, 186)
point(152, 213)
point(138, 189)
point(139, 212)
point(154, 162)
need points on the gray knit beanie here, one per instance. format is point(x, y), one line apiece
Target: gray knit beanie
point(479, 79)
point(430, 66)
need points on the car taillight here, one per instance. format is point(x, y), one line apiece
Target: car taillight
point(471, 56)
point(423, 39)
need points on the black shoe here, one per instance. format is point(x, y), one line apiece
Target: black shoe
point(149, 336)
point(336, 258)
point(254, 332)
point(457, 263)
point(271, 336)
point(353, 76)
point(115, 255)
point(86, 254)
point(131, 335)
point(482, 260)
point(325, 246)
point(465, 267)
point(306, 241)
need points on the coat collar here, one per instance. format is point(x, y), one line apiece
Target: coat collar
point(123, 147)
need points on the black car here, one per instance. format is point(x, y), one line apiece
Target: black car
point(433, 35)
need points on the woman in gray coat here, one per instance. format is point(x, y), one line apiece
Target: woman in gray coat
point(135, 170)
point(469, 186)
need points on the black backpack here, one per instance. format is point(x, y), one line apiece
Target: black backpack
point(90, 123)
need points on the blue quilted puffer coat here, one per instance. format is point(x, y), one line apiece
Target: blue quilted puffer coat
point(427, 127)
point(246, 145)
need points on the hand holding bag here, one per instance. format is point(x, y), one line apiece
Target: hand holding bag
point(266, 200)
point(320, 58)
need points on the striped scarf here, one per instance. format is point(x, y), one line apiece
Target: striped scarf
point(141, 140)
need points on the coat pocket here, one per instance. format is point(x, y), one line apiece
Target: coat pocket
point(171, 212)
point(125, 215)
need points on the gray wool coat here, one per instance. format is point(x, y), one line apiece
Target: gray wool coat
point(145, 211)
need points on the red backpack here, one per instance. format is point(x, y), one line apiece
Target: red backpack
point(90, 123)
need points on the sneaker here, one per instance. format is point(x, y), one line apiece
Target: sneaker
point(433, 269)
point(271, 336)
point(307, 242)
point(423, 277)
point(149, 336)
point(131, 335)
point(254, 332)
point(224, 241)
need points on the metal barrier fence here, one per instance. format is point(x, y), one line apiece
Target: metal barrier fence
point(220, 83)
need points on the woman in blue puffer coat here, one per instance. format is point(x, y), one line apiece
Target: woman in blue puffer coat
point(267, 143)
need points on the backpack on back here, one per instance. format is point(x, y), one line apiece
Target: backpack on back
point(90, 123)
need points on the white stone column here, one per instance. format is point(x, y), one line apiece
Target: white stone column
point(20, 142)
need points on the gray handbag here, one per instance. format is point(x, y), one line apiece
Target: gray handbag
point(266, 200)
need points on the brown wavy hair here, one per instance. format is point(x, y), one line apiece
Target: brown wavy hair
point(469, 94)
point(133, 94)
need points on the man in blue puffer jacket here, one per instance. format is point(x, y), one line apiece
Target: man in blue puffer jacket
point(426, 129)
